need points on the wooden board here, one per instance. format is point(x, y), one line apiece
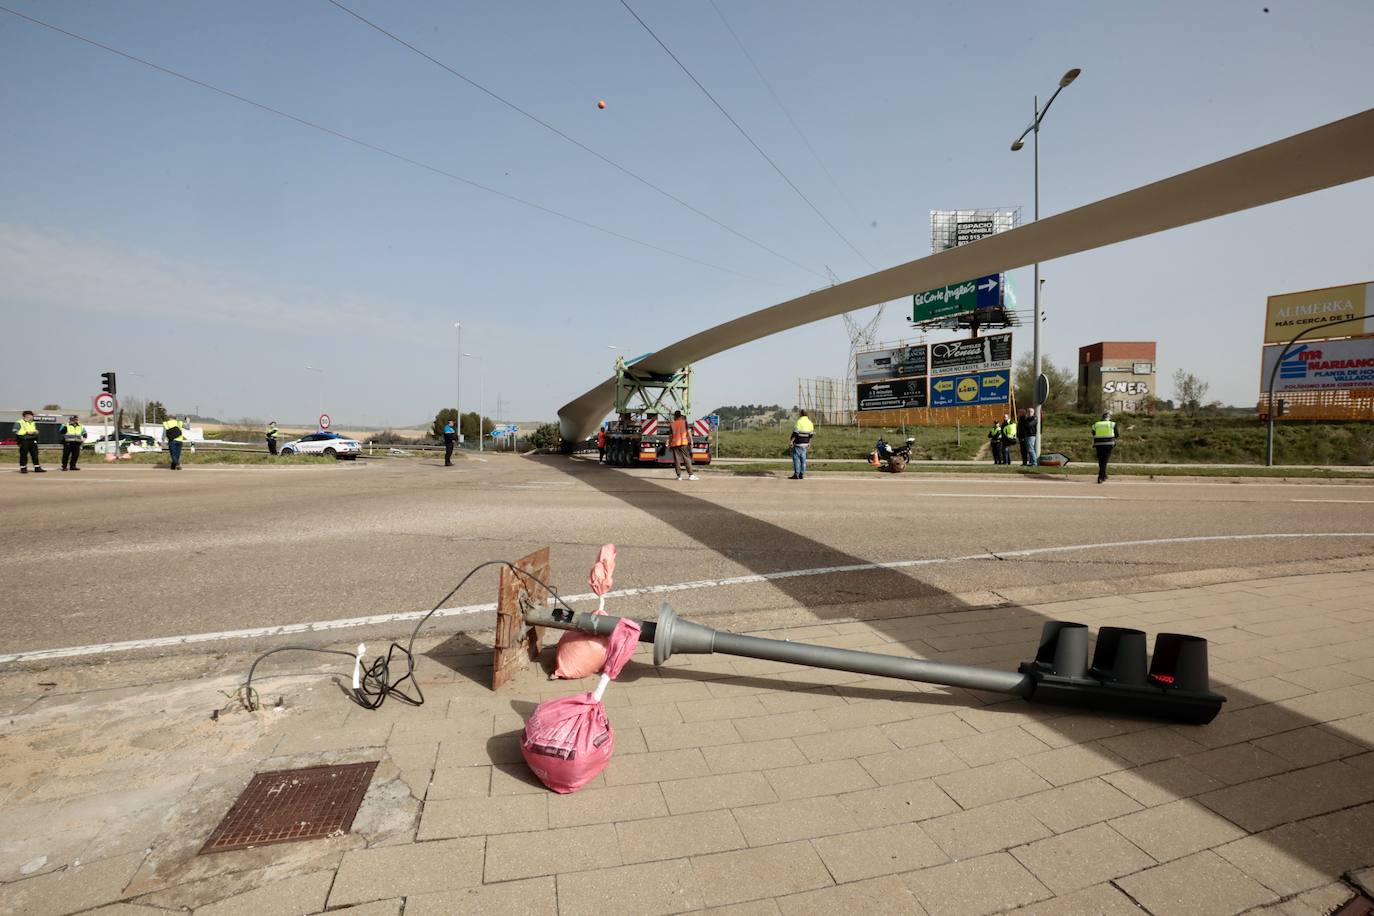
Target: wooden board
point(516, 644)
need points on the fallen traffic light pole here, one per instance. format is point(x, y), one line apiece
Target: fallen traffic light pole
point(1174, 686)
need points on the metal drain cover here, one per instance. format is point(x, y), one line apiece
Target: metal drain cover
point(289, 805)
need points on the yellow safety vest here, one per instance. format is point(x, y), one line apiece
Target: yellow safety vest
point(74, 433)
point(1104, 429)
point(26, 428)
point(271, 432)
point(1009, 430)
point(170, 425)
point(804, 425)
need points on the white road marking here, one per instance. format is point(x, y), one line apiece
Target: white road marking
point(1015, 496)
point(468, 610)
point(1344, 502)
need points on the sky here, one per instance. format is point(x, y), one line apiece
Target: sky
point(209, 250)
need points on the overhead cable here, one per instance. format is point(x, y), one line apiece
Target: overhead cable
point(579, 144)
point(379, 149)
point(721, 108)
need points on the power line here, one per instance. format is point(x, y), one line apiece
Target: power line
point(375, 148)
point(745, 134)
point(582, 146)
point(776, 98)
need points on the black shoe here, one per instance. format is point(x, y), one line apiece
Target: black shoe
point(64, 469)
point(39, 471)
point(23, 470)
point(74, 469)
point(794, 477)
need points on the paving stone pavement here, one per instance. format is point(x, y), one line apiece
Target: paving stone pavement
point(737, 786)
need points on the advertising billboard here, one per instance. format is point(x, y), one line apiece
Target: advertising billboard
point(897, 362)
point(979, 354)
point(971, 388)
point(1321, 365)
point(894, 394)
point(957, 298)
point(1294, 312)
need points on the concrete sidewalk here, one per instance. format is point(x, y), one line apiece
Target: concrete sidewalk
point(737, 786)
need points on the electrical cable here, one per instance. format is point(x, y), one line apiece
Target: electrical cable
point(745, 134)
point(373, 684)
point(379, 149)
point(577, 143)
point(778, 99)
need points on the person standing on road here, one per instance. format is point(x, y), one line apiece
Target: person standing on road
point(601, 444)
point(1021, 432)
point(272, 433)
point(1030, 438)
point(995, 441)
point(26, 434)
point(174, 432)
point(680, 443)
point(73, 437)
point(802, 432)
point(1008, 437)
point(450, 439)
point(1104, 440)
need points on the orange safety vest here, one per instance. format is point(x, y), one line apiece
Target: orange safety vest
point(601, 437)
point(679, 436)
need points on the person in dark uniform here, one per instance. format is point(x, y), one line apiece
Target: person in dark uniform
point(272, 433)
point(995, 441)
point(175, 434)
point(450, 439)
point(1104, 440)
point(26, 434)
point(1021, 435)
point(73, 437)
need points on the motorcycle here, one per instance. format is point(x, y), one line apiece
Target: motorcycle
point(895, 459)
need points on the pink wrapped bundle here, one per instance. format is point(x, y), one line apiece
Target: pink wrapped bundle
point(568, 741)
point(580, 654)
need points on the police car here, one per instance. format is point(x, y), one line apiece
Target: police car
point(324, 443)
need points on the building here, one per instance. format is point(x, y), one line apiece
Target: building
point(1117, 375)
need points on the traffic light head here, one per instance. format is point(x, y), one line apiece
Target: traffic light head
point(107, 382)
point(1173, 687)
point(1282, 408)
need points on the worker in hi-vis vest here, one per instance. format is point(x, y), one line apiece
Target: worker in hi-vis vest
point(1104, 440)
point(73, 437)
point(26, 434)
point(272, 433)
point(680, 443)
point(802, 432)
point(175, 433)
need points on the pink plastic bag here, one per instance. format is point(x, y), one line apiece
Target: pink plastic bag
point(580, 654)
point(568, 741)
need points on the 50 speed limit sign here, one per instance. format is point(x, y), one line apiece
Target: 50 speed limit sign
point(105, 404)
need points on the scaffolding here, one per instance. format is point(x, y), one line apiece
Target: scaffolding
point(951, 228)
point(827, 401)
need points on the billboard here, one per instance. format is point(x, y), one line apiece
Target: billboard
point(894, 394)
point(978, 354)
point(1291, 313)
point(875, 365)
point(1322, 365)
point(951, 228)
point(971, 388)
point(957, 298)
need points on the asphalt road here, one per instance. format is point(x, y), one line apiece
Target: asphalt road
point(127, 553)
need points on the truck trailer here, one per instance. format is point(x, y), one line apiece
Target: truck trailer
point(644, 406)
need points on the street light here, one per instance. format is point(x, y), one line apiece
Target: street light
point(319, 389)
point(1035, 146)
point(481, 399)
point(458, 393)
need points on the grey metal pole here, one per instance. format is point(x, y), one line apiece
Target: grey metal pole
point(1035, 144)
point(1273, 373)
point(458, 392)
point(671, 634)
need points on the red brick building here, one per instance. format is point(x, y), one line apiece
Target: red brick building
point(1117, 375)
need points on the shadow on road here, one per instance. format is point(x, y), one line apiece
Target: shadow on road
point(1259, 800)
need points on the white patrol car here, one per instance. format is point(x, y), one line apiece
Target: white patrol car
point(324, 443)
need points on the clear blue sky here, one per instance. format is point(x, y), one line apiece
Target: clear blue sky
point(151, 226)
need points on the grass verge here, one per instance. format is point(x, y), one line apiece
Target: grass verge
point(1075, 470)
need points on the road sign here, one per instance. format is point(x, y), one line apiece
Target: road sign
point(1054, 460)
point(966, 390)
point(324, 421)
point(1042, 389)
point(105, 404)
point(713, 419)
point(957, 298)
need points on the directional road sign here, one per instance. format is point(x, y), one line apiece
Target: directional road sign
point(957, 298)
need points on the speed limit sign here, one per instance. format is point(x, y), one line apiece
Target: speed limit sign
point(324, 421)
point(105, 404)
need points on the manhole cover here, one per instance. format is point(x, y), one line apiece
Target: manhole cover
point(289, 805)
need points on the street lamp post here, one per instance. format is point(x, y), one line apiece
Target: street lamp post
point(481, 399)
point(1269, 444)
point(1035, 149)
point(319, 389)
point(458, 371)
